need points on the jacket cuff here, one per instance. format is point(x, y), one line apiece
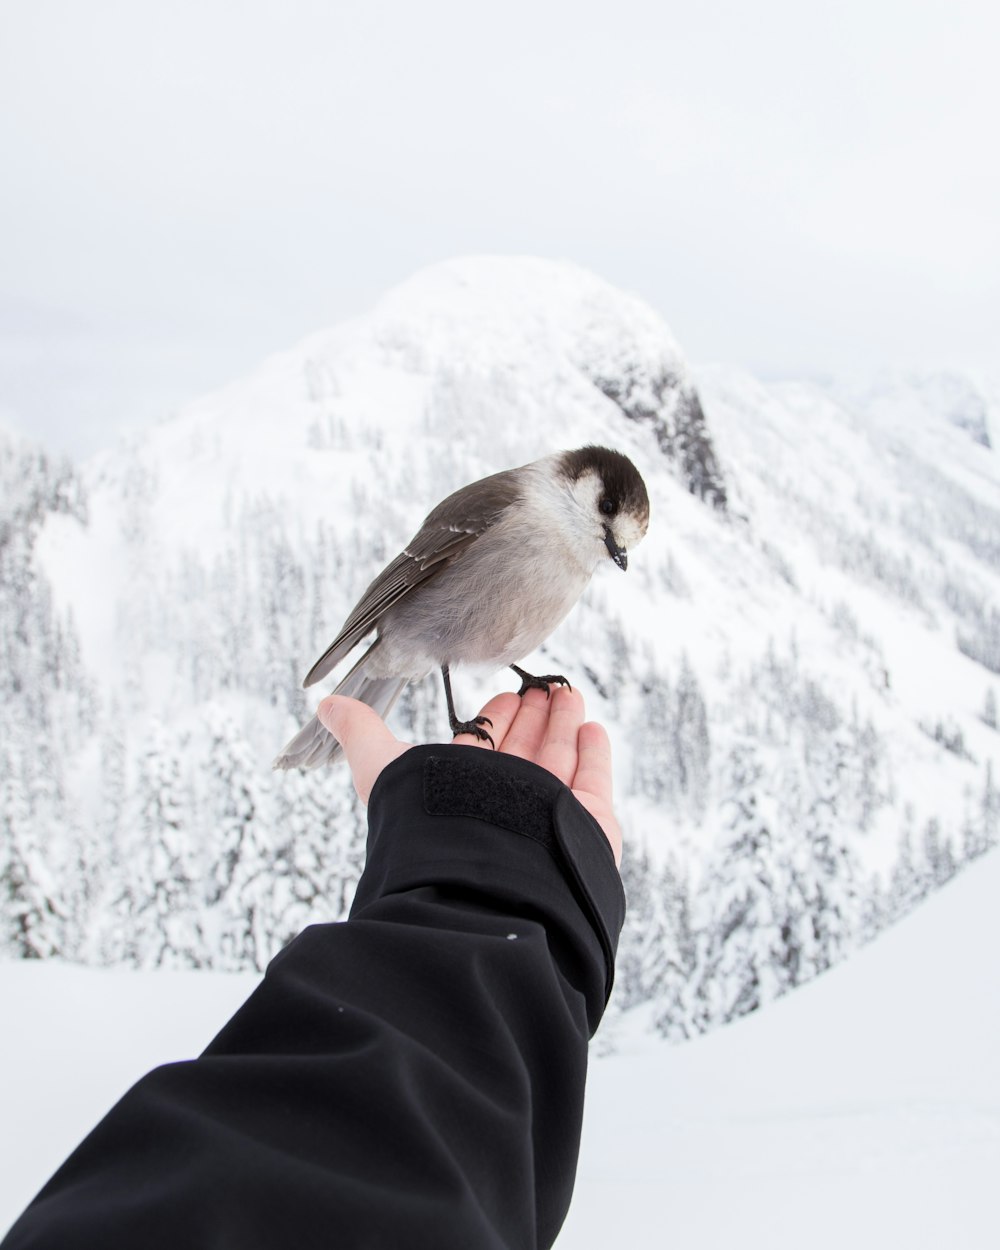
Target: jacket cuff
point(462, 817)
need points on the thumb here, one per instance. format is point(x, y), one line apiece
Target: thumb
point(361, 732)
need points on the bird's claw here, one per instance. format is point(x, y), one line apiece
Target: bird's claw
point(474, 727)
point(530, 682)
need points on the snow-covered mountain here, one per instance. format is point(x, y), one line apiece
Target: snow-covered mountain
point(798, 669)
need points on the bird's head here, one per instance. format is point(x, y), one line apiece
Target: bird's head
point(611, 496)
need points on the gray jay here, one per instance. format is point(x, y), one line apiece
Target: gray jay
point(487, 577)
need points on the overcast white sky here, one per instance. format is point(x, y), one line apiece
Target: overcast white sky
point(800, 188)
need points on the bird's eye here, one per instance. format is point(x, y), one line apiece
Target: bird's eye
point(607, 506)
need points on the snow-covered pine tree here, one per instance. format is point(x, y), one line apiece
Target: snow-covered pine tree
point(981, 828)
point(826, 872)
point(42, 695)
point(908, 879)
point(281, 610)
point(864, 783)
point(31, 916)
point(873, 913)
point(990, 808)
point(746, 906)
point(674, 1018)
point(169, 865)
point(319, 848)
point(651, 725)
point(239, 889)
point(689, 740)
point(938, 854)
point(642, 950)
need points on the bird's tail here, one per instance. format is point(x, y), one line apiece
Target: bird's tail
point(314, 745)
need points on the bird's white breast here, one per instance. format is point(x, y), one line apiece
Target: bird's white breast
point(506, 593)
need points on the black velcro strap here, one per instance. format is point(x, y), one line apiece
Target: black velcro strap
point(457, 787)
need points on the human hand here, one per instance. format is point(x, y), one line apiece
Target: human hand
point(550, 732)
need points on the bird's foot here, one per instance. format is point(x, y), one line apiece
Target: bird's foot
point(530, 682)
point(474, 727)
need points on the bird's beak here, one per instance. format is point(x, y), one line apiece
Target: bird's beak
point(618, 554)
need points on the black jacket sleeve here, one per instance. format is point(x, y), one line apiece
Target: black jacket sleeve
point(412, 1077)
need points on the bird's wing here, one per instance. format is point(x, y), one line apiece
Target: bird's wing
point(449, 530)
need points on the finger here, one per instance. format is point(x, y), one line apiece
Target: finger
point(368, 744)
point(501, 710)
point(527, 732)
point(559, 750)
point(592, 784)
point(593, 770)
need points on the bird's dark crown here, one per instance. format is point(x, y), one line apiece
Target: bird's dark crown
point(623, 484)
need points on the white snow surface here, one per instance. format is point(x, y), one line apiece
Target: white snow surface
point(862, 1111)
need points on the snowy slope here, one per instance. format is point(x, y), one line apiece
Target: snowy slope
point(885, 520)
point(861, 1111)
point(796, 669)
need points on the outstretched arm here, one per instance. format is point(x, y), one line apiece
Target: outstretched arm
point(415, 1075)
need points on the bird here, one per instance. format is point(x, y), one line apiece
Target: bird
point(491, 572)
